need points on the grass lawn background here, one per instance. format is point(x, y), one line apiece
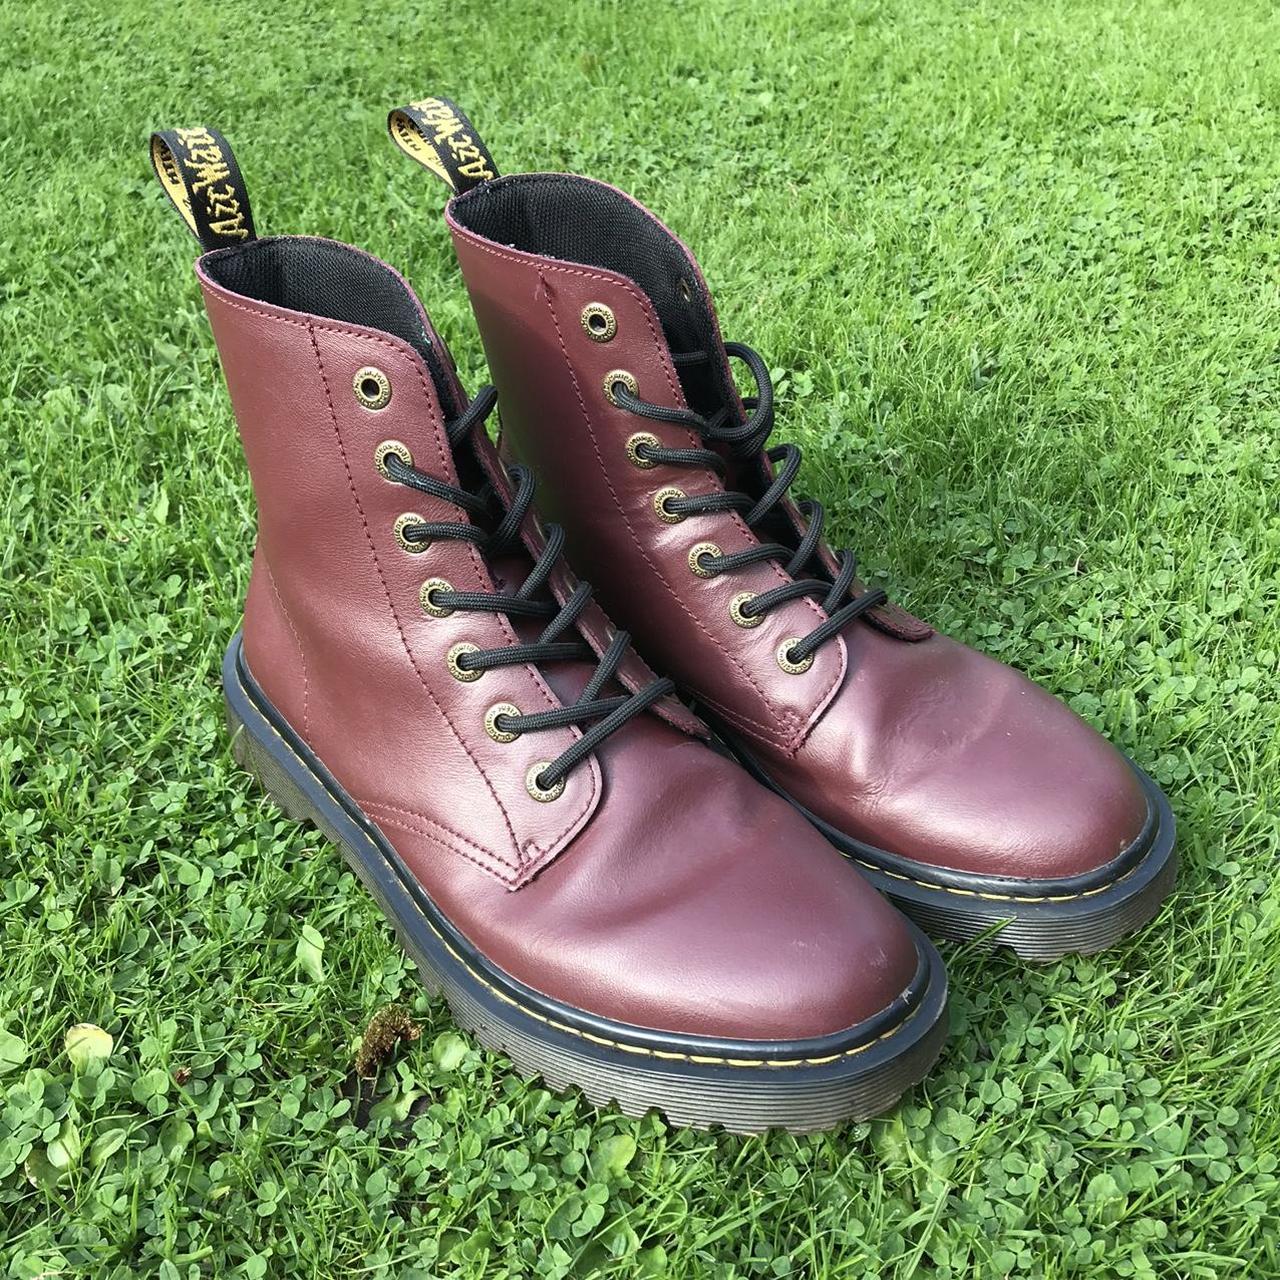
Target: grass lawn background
point(1019, 265)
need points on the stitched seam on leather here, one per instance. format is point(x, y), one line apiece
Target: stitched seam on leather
point(538, 848)
point(1001, 897)
point(803, 724)
point(758, 729)
point(784, 713)
point(424, 817)
point(425, 826)
point(302, 657)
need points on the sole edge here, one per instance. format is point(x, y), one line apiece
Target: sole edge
point(741, 1099)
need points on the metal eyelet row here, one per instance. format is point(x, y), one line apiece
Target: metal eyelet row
point(396, 449)
point(699, 550)
point(543, 795)
point(783, 652)
point(433, 587)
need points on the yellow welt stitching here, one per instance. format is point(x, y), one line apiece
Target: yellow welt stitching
point(998, 897)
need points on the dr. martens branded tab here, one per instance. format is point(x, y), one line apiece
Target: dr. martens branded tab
point(598, 891)
point(956, 785)
point(436, 134)
point(199, 173)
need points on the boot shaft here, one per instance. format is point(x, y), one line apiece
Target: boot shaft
point(336, 375)
point(577, 289)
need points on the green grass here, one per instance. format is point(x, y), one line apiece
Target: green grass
point(1019, 262)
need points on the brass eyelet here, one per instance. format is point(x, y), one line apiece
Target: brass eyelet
point(696, 552)
point(785, 661)
point(385, 450)
point(401, 524)
point(451, 661)
point(660, 500)
point(743, 619)
point(372, 387)
point(686, 290)
point(545, 794)
point(622, 376)
point(426, 594)
point(598, 322)
point(634, 456)
point(491, 721)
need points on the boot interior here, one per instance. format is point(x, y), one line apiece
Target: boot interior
point(577, 220)
point(332, 280)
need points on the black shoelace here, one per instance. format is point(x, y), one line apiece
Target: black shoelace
point(744, 440)
point(559, 641)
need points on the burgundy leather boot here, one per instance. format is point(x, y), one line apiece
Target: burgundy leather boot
point(956, 785)
point(600, 893)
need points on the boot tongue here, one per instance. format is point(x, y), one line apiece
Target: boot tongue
point(707, 384)
point(687, 314)
point(691, 328)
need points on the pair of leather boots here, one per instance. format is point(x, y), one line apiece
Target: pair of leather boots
point(665, 890)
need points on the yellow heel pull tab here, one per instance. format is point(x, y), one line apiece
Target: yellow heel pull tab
point(437, 134)
point(198, 172)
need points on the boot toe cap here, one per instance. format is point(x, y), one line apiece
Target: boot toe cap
point(706, 905)
point(1046, 799)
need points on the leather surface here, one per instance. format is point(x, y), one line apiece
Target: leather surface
point(902, 738)
point(665, 887)
point(943, 755)
point(696, 901)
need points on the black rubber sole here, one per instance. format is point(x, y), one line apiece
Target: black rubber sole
point(1039, 921)
point(745, 1086)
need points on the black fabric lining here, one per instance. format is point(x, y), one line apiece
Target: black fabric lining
point(324, 278)
point(577, 220)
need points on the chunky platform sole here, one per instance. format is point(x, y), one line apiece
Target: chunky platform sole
point(746, 1086)
point(1040, 920)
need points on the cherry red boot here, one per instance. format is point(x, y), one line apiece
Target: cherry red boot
point(600, 893)
point(956, 785)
